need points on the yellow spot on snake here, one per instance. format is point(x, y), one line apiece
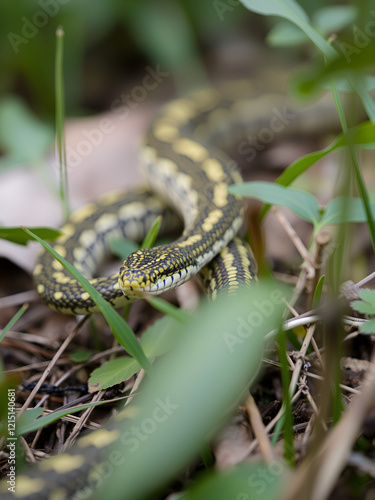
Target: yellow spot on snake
point(167, 167)
point(57, 295)
point(212, 218)
point(85, 295)
point(111, 197)
point(84, 212)
point(58, 494)
point(206, 98)
point(184, 181)
point(99, 438)
point(40, 289)
point(60, 250)
point(61, 277)
point(87, 238)
point(191, 240)
point(27, 486)
point(57, 266)
point(63, 463)
point(68, 230)
point(220, 194)
point(165, 131)
point(105, 223)
point(38, 269)
point(191, 149)
point(79, 254)
point(214, 170)
point(181, 110)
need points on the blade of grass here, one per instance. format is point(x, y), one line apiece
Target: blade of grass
point(15, 318)
point(119, 327)
point(60, 111)
point(167, 308)
point(24, 425)
point(361, 185)
point(288, 435)
point(152, 233)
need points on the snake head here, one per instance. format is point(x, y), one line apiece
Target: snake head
point(152, 271)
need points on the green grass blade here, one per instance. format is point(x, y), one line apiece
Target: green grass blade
point(14, 320)
point(30, 423)
point(169, 309)
point(60, 112)
point(119, 327)
point(318, 292)
point(152, 233)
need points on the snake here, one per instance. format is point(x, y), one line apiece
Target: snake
point(185, 169)
point(188, 174)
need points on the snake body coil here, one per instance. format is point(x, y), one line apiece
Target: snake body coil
point(191, 175)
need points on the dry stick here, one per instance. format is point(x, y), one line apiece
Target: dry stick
point(259, 430)
point(296, 240)
point(137, 383)
point(81, 422)
point(314, 376)
point(52, 363)
point(18, 298)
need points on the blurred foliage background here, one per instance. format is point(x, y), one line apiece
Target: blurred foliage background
point(109, 43)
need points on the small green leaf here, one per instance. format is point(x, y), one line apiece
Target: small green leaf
point(362, 307)
point(301, 203)
point(368, 295)
point(285, 34)
point(367, 303)
point(345, 210)
point(113, 372)
point(368, 326)
point(334, 18)
point(18, 235)
point(289, 9)
point(80, 355)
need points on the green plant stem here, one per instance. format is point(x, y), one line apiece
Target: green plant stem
point(361, 185)
point(60, 117)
